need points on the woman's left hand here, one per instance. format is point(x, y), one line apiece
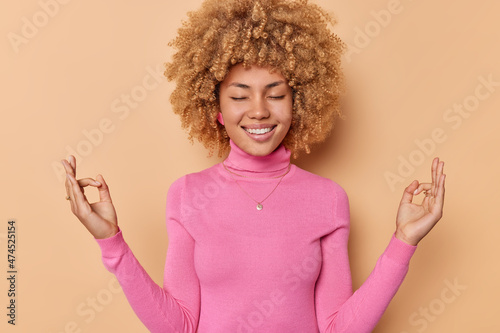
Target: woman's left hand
point(414, 221)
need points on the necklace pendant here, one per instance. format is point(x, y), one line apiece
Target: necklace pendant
point(259, 206)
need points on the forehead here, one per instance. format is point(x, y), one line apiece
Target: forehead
point(252, 76)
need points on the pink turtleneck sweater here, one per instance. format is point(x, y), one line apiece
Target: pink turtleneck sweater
point(232, 268)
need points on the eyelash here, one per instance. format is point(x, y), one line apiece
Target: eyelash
point(271, 97)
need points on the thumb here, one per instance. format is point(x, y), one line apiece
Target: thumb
point(408, 192)
point(103, 189)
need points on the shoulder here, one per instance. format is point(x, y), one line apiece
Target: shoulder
point(319, 182)
point(187, 192)
point(194, 180)
point(326, 188)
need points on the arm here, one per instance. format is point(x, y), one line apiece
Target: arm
point(175, 307)
point(338, 308)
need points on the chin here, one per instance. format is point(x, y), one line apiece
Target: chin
point(260, 153)
point(262, 150)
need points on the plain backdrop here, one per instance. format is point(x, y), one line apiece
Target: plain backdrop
point(84, 77)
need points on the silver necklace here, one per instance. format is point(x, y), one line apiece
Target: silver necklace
point(259, 203)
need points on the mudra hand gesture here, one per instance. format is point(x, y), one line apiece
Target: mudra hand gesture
point(414, 221)
point(98, 217)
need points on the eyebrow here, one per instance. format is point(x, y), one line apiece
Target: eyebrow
point(244, 86)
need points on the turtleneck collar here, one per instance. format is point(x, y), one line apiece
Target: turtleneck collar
point(274, 164)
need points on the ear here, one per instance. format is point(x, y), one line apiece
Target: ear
point(220, 119)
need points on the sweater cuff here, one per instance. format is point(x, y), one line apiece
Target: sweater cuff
point(114, 246)
point(399, 251)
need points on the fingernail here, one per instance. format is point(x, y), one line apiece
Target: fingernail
point(96, 182)
point(415, 192)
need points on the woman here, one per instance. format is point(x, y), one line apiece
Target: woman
point(257, 244)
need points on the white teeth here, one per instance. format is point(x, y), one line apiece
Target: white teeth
point(258, 131)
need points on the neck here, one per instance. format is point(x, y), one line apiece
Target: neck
point(274, 164)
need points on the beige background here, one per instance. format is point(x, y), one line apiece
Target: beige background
point(67, 77)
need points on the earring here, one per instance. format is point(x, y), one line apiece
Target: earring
point(220, 119)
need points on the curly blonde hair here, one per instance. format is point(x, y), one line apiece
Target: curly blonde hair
point(292, 37)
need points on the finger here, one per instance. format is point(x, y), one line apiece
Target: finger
point(439, 172)
point(408, 192)
point(67, 167)
point(80, 202)
point(440, 193)
point(434, 169)
point(69, 192)
point(433, 173)
point(103, 189)
point(88, 181)
point(422, 187)
point(72, 161)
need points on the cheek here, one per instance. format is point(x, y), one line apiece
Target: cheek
point(287, 115)
point(225, 112)
point(231, 117)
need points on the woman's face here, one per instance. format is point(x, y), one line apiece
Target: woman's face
point(256, 108)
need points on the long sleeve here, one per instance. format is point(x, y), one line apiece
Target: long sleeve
point(175, 307)
point(338, 308)
point(233, 268)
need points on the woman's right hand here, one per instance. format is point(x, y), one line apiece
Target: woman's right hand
point(99, 217)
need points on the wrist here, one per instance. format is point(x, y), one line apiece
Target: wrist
point(402, 237)
point(114, 230)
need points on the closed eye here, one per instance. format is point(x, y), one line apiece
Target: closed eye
point(238, 98)
point(277, 97)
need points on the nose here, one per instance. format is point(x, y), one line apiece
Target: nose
point(259, 109)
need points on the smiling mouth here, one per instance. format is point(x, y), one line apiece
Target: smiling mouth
point(259, 130)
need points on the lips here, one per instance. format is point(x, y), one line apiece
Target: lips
point(260, 132)
point(259, 129)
